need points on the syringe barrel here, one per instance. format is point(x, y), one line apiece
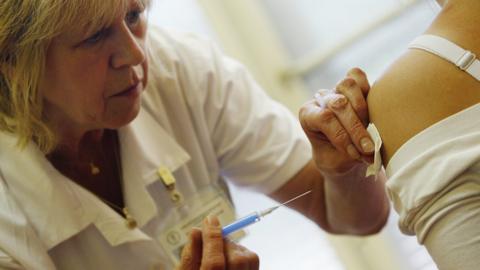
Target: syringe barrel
point(240, 223)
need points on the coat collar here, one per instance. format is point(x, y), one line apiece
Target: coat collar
point(58, 208)
point(145, 147)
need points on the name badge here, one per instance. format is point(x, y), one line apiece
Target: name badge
point(174, 237)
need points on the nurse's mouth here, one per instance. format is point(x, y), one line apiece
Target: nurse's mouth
point(133, 90)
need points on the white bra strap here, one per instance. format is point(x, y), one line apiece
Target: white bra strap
point(463, 59)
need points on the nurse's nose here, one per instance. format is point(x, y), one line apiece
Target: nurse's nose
point(128, 50)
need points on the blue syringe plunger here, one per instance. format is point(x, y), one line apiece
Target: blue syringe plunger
point(246, 221)
point(241, 223)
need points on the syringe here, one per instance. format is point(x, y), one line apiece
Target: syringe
point(254, 217)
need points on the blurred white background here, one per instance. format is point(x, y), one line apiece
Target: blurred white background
point(309, 44)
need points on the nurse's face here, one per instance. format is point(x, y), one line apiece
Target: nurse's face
point(94, 80)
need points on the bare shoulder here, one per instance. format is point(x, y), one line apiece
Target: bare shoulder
point(420, 89)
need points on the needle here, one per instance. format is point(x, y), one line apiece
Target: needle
point(271, 209)
point(255, 217)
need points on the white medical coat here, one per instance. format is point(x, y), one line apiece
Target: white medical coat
point(203, 117)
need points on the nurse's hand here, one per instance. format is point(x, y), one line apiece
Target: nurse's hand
point(335, 121)
point(207, 250)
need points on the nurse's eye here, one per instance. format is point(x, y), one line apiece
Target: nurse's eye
point(97, 37)
point(133, 17)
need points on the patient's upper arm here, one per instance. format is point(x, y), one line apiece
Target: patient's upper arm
point(418, 90)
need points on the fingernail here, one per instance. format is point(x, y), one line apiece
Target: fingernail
point(194, 231)
point(352, 152)
point(206, 222)
point(347, 82)
point(367, 145)
point(319, 100)
point(338, 102)
point(212, 220)
point(324, 92)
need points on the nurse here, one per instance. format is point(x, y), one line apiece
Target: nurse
point(116, 140)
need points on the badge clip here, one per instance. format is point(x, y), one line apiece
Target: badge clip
point(169, 182)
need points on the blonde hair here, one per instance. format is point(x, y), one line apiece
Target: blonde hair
point(26, 30)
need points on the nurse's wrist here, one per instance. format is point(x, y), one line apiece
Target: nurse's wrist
point(355, 172)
